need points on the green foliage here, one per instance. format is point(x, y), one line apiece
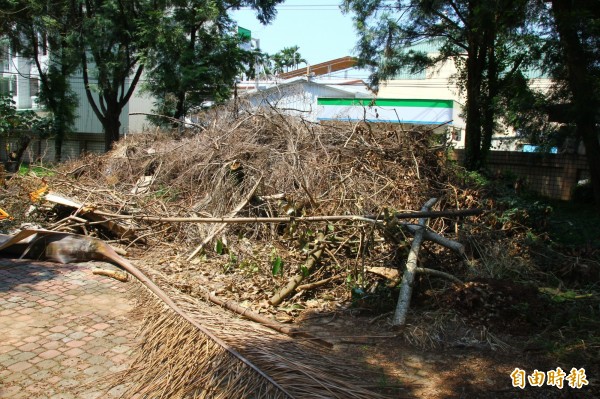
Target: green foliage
point(276, 263)
point(35, 170)
point(485, 40)
point(288, 57)
point(231, 263)
point(14, 123)
point(32, 21)
point(219, 247)
point(194, 53)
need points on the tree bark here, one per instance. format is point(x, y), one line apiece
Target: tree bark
point(473, 106)
point(581, 86)
point(411, 269)
point(295, 281)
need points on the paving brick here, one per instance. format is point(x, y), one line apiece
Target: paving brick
point(56, 336)
point(101, 326)
point(40, 375)
point(121, 349)
point(75, 343)
point(32, 338)
point(52, 345)
point(49, 354)
point(20, 366)
point(58, 329)
point(95, 369)
point(29, 346)
point(61, 346)
point(97, 350)
point(73, 352)
point(11, 392)
point(48, 364)
point(24, 356)
point(99, 333)
point(78, 335)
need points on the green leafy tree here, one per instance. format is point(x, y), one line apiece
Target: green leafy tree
point(18, 126)
point(475, 34)
point(110, 54)
point(195, 54)
point(41, 27)
point(277, 63)
point(291, 57)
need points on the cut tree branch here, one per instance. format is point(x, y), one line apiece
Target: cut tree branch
point(408, 277)
point(313, 259)
point(219, 228)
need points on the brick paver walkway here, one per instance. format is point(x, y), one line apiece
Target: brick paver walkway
point(61, 328)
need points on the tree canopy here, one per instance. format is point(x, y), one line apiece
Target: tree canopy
point(195, 53)
point(479, 36)
point(189, 47)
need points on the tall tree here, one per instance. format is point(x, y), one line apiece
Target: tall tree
point(110, 56)
point(577, 23)
point(291, 57)
point(195, 54)
point(46, 29)
point(466, 32)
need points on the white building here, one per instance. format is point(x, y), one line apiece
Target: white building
point(330, 98)
point(19, 76)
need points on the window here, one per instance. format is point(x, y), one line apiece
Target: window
point(4, 86)
point(13, 85)
point(4, 58)
point(34, 87)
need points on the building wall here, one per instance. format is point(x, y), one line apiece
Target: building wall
point(434, 83)
point(139, 103)
point(437, 83)
point(298, 98)
point(23, 71)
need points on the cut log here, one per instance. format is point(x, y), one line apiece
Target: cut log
point(313, 259)
point(408, 277)
point(117, 275)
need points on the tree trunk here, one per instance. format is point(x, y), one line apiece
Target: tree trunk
point(473, 111)
point(489, 108)
point(111, 125)
point(585, 100)
point(179, 110)
point(592, 150)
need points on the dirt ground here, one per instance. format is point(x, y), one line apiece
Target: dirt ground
point(460, 342)
point(460, 365)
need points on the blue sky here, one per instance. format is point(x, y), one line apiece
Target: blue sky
point(318, 27)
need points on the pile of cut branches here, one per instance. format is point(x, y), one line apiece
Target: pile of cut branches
point(275, 168)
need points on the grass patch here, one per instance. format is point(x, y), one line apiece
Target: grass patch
point(38, 171)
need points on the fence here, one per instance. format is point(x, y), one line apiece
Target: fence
point(551, 175)
point(42, 150)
